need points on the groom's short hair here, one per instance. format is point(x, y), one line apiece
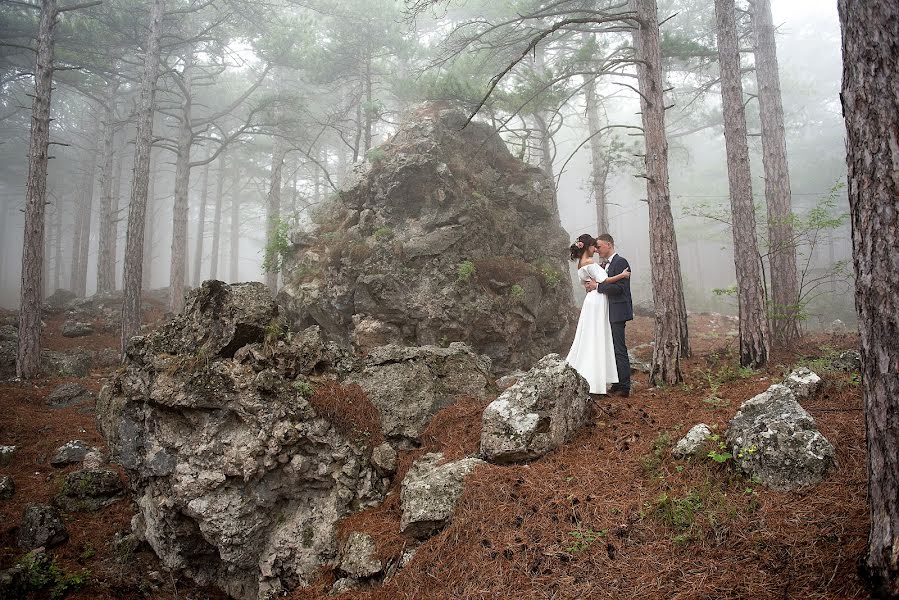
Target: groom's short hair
point(606, 238)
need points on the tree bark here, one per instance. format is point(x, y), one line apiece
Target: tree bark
point(274, 214)
point(82, 234)
point(217, 219)
point(178, 265)
point(671, 336)
point(57, 245)
point(870, 97)
point(149, 229)
point(28, 359)
point(234, 253)
point(106, 241)
point(600, 165)
point(782, 249)
point(201, 223)
point(134, 240)
point(754, 348)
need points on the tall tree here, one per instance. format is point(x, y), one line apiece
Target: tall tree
point(201, 225)
point(782, 252)
point(28, 359)
point(750, 296)
point(217, 219)
point(234, 253)
point(107, 233)
point(134, 240)
point(671, 336)
point(870, 97)
point(599, 168)
point(178, 264)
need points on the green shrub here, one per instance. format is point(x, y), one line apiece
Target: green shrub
point(303, 388)
point(277, 249)
point(383, 234)
point(516, 291)
point(465, 271)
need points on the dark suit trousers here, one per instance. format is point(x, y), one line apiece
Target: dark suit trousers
point(621, 359)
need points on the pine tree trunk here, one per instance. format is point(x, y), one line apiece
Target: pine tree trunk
point(671, 337)
point(600, 165)
point(750, 297)
point(116, 215)
point(234, 254)
point(274, 215)
point(784, 287)
point(201, 223)
point(369, 106)
point(137, 207)
point(149, 229)
point(871, 109)
point(106, 245)
point(82, 235)
point(178, 268)
point(28, 359)
point(57, 245)
point(217, 219)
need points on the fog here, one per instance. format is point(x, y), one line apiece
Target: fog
point(325, 101)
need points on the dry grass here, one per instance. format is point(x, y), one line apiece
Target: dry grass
point(349, 410)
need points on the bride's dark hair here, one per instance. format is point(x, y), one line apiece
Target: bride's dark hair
point(585, 239)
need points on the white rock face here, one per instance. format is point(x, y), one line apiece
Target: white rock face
point(538, 413)
point(430, 492)
point(357, 559)
point(775, 440)
point(690, 443)
point(803, 382)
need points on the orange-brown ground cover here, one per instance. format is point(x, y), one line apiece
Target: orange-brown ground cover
point(610, 515)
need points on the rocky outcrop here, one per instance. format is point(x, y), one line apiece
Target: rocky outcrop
point(441, 236)
point(803, 382)
point(773, 439)
point(430, 492)
point(538, 413)
point(89, 490)
point(58, 301)
point(688, 445)
point(68, 394)
point(357, 557)
point(238, 477)
point(410, 384)
point(70, 453)
point(41, 526)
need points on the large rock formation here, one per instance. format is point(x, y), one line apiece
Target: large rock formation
point(440, 236)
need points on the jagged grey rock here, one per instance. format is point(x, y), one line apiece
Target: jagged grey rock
point(507, 381)
point(638, 365)
point(70, 453)
point(58, 301)
point(89, 490)
point(7, 487)
point(357, 557)
point(8, 333)
point(68, 394)
point(803, 382)
point(345, 584)
point(775, 440)
point(41, 526)
point(69, 362)
point(8, 351)
point(430, 491)
point(6, 455)
point(693, 441)
point(93, 460)
point(74, 329)
point(850, 360)
point(409, 385)
point(237, 479)
point(537, 414)
point(384, 459)
point(383, 264)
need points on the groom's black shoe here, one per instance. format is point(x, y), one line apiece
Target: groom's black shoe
point(620, 391)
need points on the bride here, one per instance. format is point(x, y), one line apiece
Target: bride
point(592, 353)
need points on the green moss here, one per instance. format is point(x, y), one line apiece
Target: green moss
point(464, 271)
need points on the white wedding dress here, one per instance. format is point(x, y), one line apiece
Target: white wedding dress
point(592, 354)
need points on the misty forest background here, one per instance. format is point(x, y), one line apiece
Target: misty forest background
point(322, 83)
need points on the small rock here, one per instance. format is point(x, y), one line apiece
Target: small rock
point(73, 362)
point(850, 360)
point(803, 382)
point(70, 453)
point(7, 487)
point(58, 300)
point(383, 459)
point(638, 365)
point(41, 526)
point(89, 490)
point(68, 394)
point(690, 443)
point(346, 584)
point(357, 559)
point(837, 327)
point(507, 381)
point(72, 329)
point(93, 460)
point(430, 492)
point(6, 454)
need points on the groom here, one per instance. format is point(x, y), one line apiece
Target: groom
point(621, 309)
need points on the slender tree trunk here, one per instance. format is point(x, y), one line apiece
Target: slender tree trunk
point(234, 253)
point(750, 297)
point(784, 282)
point(134, 241)
point(274, 215)
point(28, 359)
point(57, 245)
point(217, 219)
point(545, 161)
point(201, 222)
point(600, 164)
point(149, 229)
point(106, 245)
point(359, 126)
point(178, 268)
point(871, 109)
point(116, 214)
point(317, 176)
point(81, 248)
point(671, 337)
point(369, 105)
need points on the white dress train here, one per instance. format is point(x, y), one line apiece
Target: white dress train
point(592, 354)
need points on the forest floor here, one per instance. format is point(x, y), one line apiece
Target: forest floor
point(610, 515)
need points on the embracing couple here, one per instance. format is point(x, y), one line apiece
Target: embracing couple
point(599, 352)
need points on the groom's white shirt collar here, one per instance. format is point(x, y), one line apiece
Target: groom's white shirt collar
point(611, 258)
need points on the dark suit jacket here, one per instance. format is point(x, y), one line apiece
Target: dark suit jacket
point(620, 306)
